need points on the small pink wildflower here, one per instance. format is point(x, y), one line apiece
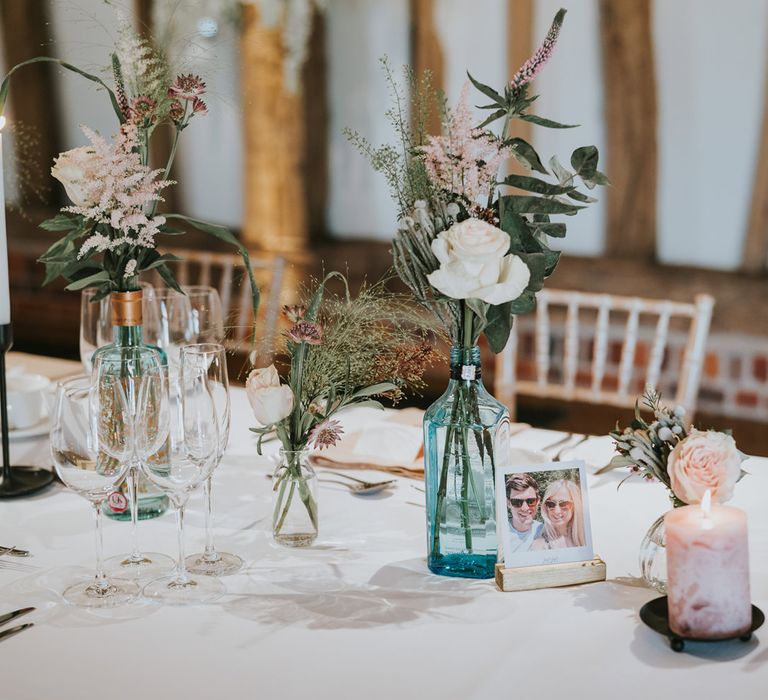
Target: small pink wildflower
point(176, 111)
point(186, 87)
point(535, 63)
point(142, 110)
point(198, 106)
point(326, 434)
point(305, 332)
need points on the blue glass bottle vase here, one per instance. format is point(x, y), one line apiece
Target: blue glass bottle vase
point(128, 345)
point(465, 432)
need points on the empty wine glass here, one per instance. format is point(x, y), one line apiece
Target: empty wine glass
point(91, 443)
point(134, 368)
point(207, 317)
point(168, 324)
point(211, 360)
point(192, 455)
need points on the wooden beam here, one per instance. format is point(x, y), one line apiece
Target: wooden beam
point(630, 110)
point(275, 214)
point(25, 26)
point(755, 255)
point(315, 86)
point(519, 49)
point(426, 52)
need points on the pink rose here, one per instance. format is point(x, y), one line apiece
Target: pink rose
point(704, 460)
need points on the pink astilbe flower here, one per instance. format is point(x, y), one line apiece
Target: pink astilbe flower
point(186, 87)
point(305, 332)
point(114, 188)
point(466, 159)
point(326, 434)
point(535, 63)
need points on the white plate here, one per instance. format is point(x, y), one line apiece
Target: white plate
point(42, 427)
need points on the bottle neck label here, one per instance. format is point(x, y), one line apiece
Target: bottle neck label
point(465, 373)
point(126, 308)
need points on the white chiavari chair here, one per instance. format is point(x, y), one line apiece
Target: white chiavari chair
point(226, 273)
point(605, 322)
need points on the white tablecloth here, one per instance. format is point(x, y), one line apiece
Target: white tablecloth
point(358, 615)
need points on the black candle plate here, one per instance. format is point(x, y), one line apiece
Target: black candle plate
point(655, 614)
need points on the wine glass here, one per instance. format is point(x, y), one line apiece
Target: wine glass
point(211, 360)
point(134, 368)
point(192, 455)
point(168, 324)
point(91, 443)
point(207, 318)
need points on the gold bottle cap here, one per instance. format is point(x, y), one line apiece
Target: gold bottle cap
point(126, 308)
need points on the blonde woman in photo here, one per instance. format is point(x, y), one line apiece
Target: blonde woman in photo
point(562, 512)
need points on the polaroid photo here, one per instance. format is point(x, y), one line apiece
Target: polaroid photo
point(542, 513)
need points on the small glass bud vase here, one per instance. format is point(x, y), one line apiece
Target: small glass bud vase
point(294, 500)
point(653, 553)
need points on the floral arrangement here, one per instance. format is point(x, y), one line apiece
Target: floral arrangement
point(689, 462)
point(467, 250)
point(110, 228)
point(343, 351)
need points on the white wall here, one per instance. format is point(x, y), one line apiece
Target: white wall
point(710, 71)
point(359, 33)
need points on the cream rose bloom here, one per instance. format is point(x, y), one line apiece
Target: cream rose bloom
point(474, 264)
point(72, 170)
point(270, 400)
point(704, 460)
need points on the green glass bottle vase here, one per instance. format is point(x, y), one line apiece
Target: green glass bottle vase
point(466, 432)
point(128, 346)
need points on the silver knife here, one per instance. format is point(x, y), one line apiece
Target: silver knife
point(13, 615)
point(15, 630)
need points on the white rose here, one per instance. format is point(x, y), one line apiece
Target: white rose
point(474, 264)
point(270, 400)
point(473, 242)
point(704, 460)
point(495, 282)
point(72, 169)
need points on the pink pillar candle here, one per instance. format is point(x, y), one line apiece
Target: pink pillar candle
point(708, 572)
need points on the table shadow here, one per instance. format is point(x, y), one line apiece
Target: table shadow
point(621, 593)
point(395, 595)
point(652, 649)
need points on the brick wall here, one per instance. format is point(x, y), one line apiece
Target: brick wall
point(734, 379)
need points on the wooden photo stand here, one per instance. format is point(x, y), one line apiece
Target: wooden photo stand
point(527, 578)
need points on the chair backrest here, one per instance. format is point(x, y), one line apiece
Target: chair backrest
point(226, 273)
point(585, 348)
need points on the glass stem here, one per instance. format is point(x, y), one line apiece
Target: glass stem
point(182, 579)
point(133, 494)
point(210, 553)
point(101, 580)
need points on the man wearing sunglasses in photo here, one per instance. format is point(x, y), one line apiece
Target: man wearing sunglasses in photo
point(522, 507)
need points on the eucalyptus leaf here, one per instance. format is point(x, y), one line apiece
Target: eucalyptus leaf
point(62, 222)
point(527, 153)
point(524, 304)
point(554, 230)
point(580, 197)
point(584, 161)
point(538, 205)
point(165, 272)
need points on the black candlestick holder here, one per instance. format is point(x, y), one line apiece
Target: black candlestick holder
point(16, 481)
